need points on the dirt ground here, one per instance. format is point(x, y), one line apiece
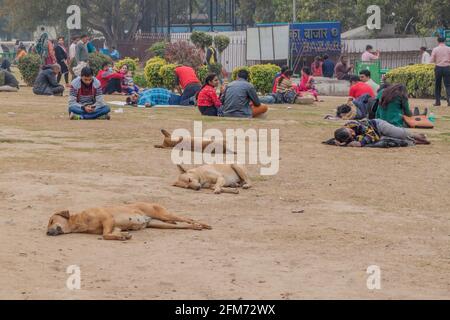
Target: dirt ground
point(388, 208)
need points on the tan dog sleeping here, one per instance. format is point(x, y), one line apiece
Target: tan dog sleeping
point(216, 177)
point(170, 143)
point(113, 222)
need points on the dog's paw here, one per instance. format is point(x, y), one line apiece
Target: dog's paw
point(218, 191)
point(126, 236)
point(246, 186)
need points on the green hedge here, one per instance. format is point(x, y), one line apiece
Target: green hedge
point(261, 76)
point(152, 72)
point(167, 74)
point(131, 63)
point(96, 61)
point(419, 79)
point(29, 67)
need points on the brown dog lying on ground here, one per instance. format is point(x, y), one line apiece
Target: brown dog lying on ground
point(113, 222)
point(216, 177)
point(170, 143)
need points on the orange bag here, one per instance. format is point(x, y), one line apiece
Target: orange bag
point(418, 122)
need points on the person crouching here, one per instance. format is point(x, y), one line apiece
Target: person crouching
point(86, 101)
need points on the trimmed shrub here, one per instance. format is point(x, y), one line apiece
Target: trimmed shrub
point(202, 73)
point(236, 71)
point(201, 39)
point(152, 72)
point(167, 74)
point(217, 69)
point(182, 52)
point(96, 61)
point(140, 80)
point(29, 67)
point(262, 76)
point(419, 79)
point(221, 42)
point(158, 49)
point(131, 63)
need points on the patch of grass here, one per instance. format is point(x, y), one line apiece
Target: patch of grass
point(12, 141)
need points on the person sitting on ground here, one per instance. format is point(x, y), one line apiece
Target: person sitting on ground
point(393, 105)
point(286, 91)
point(113, 82)
point(240, 99)
point(328, 67)
point(6, 65)
point(86, 101)
point(188, 84)
point(133, 92)
point(366, 77)
point(8, 83)
point(342, 69)
point(46, 83)
point(364, 133)
point(277, 78)
point(207, 100)
point(158, 97)
point(307, 84)
point(359, 88)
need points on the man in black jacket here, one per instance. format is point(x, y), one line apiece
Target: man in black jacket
point(46, 83)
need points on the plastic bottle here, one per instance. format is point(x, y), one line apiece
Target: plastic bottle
point(432, 117)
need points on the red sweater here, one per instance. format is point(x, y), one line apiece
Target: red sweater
point(186, 76)
point(360, 89)
point(104, 79)
point(208, 97)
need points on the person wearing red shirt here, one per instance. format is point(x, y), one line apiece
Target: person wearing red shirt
point(110, 81)
point(207, 100)
point(188, 84)
point(358, 88)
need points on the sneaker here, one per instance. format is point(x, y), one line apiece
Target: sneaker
point(74, 116)
point(105, 117)
point(437, 104)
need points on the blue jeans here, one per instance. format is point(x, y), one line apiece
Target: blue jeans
point(99, 111)
point(189, 93)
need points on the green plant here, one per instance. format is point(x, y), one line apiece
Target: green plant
point(216, 68)
point(201, 39)
point(262, 76)
point(158, 49)
point(140, 80)
point(29, 67)
point(202, 73)
point(96, 61)
point(184, 53)
point(152, 72)
point(236, 71)
point(168, 76)
point(419, 79)
point(221, 42)
point(131, 63)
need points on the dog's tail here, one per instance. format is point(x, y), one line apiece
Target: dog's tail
point(240, 171)
point(166, 133)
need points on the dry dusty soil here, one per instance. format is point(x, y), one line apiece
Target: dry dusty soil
point(311, 231)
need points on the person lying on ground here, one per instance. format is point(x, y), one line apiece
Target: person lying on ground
point(188, 84)
point(158, 97)
point(359, 88)
point(366, 77)
point(86, 101)
point(240, 99)
point(307, 84)
point(208, 102)
point(364, 133)
point(46, 83)
point(393, 105)
point(8, 83)
point(356, 109)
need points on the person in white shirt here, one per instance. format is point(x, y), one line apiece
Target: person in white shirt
point(73, 48)
point(425, 56)
point(369, 55)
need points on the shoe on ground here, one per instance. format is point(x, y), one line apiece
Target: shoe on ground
point(74, 116)
point(105, 117)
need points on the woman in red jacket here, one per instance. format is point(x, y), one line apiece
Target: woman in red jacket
point(207, 100)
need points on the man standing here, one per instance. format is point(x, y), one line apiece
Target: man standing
point(211, 56)
point(328, 67)
point(86, 100)
point(441, 58)
point(81, 55)
point(369, 55)
point(366, 77)
point(240, 99)
point(425, 57)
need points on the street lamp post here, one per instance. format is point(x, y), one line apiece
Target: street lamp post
point(294, 11)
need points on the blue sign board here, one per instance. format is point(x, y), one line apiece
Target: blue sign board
point(315, 38)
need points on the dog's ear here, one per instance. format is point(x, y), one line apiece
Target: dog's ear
point(182, 169)
point(166, 133)
point(65, 214)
